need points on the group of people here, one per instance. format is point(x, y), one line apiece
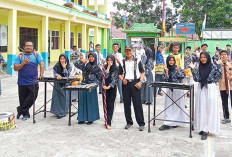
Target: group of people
point(132, 76)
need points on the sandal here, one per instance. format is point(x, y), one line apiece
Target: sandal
point(224, 121)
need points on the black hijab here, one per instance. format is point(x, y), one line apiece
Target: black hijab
point(113, 67)
point(149, 54)
point(92, 67)
point(171, 68)
point(58, 67)
point(205, 69)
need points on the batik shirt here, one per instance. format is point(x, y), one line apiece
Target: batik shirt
point(112, 77)
point(214, 76)
point(187, 61)
point(176, 77)
point(149, 66)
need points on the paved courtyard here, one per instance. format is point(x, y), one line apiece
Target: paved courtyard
point(53, 137)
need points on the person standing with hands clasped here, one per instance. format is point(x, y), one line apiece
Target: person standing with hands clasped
point(131, 73)
point(111, 74)
point(207, 118)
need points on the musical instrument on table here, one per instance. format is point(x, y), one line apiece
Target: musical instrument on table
point(7, 121)
point(75, 83)
point(54, 79)
point(188, 72)
point(171, 85)
point(87, 87)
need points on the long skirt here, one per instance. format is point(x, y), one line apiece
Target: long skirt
point(60, 100)
point(88, 109)
point(206, 115)
point(174, 112)
point(145, 89)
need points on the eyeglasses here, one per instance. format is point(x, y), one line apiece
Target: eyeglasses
point(28, 45)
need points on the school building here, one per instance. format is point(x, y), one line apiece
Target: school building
point(54, 26)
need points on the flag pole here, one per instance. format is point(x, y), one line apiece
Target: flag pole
point(162, 32)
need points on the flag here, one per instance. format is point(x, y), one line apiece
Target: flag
point(203, 26)
point(164, 19)
point(124, 21)
point(178, 20)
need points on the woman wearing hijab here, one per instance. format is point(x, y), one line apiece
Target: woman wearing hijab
point(206, 109)
point(88, 109)
point(149, 66)
point(174, 112)
point(60, 102)
point(111, 74)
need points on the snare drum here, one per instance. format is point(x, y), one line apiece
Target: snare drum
point(7, 121)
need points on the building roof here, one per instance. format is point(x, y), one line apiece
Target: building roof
point(142, 28)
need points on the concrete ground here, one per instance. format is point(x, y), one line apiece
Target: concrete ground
point(53, 137)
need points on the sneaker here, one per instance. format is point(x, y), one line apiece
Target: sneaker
point(89, 123)
point(25, 118)
point(204, 136)
point(201, 132)
point(128, 126)
point(81, 122)
point(100, 92)
point(141, 128)
point(164, 127)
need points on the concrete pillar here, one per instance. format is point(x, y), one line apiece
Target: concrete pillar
point(67, 38)
point(12, 38)
point(45, 41)
point(105, 42)
point(84, 38)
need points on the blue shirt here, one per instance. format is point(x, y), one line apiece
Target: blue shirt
point(1, 58)
point(33, 59)
point(159, 57)
point(28, 73)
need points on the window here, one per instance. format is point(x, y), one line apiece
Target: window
point(3, 38)
point(71, 40)
point(28, 34)
point(79, 40)
point(55, 40)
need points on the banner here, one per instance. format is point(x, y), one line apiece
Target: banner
point(3, 35)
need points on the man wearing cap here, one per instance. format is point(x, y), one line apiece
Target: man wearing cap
point(225, 84)
point(131, 73)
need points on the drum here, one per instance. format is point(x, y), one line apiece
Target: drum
point(7, 121)
point(75, 83)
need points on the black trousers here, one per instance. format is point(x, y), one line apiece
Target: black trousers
point(110, 101)
point(26, 98)
point(225, 108)
point(131, 92)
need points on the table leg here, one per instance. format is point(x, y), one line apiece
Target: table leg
point(70, 104)
point(154, 108)
point(190, 134)
point(45, 99)
point(34, 106)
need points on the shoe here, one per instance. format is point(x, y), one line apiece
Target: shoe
point(100, 92)
point(143, 102)
point(201, 132)
point(74, 100)
point(141, 128)
point(186, 106)
point(121, 101)
point(164, 127)
point(89, 123)
point(174, 126)
point(128, 126)
point(81, 122)
point(18, 116)
point(204, 136)
point(25, 118)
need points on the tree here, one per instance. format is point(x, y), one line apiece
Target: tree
point(219, 13)
point(143, 11)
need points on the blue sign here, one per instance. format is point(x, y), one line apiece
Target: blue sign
point(185, 28)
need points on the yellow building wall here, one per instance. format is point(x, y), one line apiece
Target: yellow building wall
point(4, 21)
point(54, 54)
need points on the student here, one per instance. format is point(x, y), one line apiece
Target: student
point(206, 118)
point(60, 101)
point(216, 57)
point(225, 84)
point(178, 57)
point(147, 92)
point(118, 57)
point(88, 109)
point(174, 74)
point(111, 74)
point(131, 73)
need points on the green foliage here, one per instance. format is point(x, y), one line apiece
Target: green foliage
point(143, 11)
point(219, 12)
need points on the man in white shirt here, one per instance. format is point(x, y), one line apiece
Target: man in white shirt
point(100, 62)
point(118, 57)
point(131, 73)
